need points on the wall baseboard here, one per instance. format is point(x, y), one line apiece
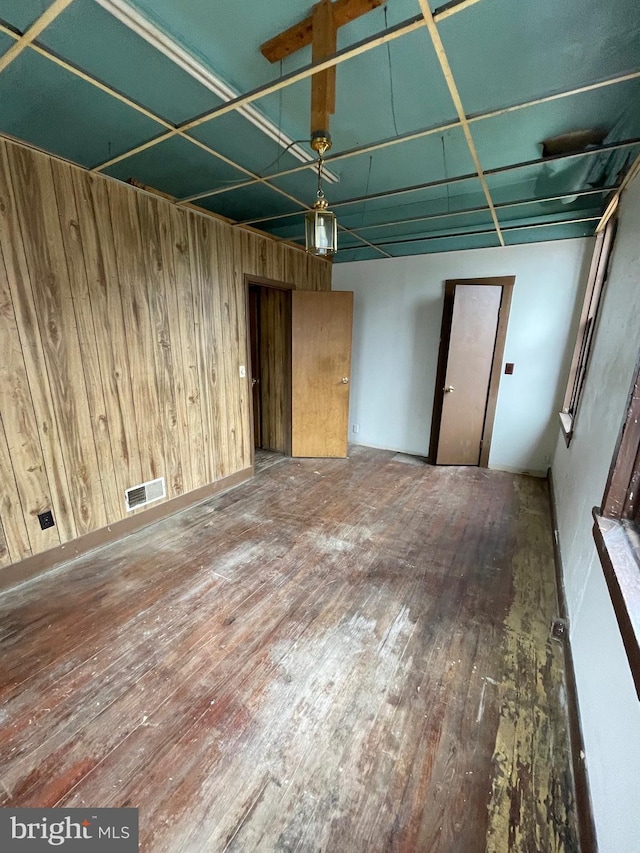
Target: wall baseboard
point(31, 567)
point(586, 826)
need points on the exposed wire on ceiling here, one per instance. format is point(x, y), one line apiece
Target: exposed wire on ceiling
point(446, 172)
point(393, 105)
point(366, 191)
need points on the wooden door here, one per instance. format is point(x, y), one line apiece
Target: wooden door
point(321, 366)
point(470, 357)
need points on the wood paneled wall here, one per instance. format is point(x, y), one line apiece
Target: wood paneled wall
point(122, 330)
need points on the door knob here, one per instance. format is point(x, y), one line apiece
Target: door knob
point(345, 380)
point(254, 382)
point(449, 389)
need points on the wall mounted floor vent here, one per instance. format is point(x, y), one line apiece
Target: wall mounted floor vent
point(145, 493)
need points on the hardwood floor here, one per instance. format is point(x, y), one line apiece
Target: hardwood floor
point(264, 459)
point(341, 655)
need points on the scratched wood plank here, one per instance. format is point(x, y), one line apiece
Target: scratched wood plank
point(91, 362)
point(108, 323)
point(165, 363)
point(19, 277)
point(38, 214)
point(340, 655)
point(24, 488)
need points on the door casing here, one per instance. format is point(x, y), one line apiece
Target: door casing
point(507, 284)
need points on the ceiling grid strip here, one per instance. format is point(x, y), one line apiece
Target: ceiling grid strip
point(487, 231)
point(428, 19)
point(455, 95)
point(499, 170)
point(118, 96)
point(613, 203)
point(500, 206)
point(303, 73)
point(421, 134)
point(252, 181)
point(93, 81)
point(32, 33)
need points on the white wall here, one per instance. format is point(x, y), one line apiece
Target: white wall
point(398, 311)
point(609, 706)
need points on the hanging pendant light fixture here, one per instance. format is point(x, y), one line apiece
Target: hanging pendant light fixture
point(321, 227)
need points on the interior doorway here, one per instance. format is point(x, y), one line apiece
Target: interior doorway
point(474, 328)
point(269, 322)
point(299, 369)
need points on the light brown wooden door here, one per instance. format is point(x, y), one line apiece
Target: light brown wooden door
point(321, 325)
point(474, 324)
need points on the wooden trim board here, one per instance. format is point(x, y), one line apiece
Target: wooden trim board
point(586, 826)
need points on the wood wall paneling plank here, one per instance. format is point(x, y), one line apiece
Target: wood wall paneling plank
point(186, 272)
point(238, 317)
point(23, 471)
point(130, 254)
point(177, 270)
point(213, 306)
point(42, 238)
point(19, 276)
point(149, 213)
point(233, 349)
point(199, 239)
point(111, 340)
point(91, 362)
point(11, 513)
point(5, 556)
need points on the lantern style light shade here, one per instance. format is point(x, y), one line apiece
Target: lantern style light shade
point(321, 231)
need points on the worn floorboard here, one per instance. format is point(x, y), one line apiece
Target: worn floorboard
point(341, 655)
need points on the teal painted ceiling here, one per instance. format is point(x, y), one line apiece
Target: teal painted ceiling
point(116, 86)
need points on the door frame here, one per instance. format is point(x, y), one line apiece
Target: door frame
point(274, 284)
point(506, 283)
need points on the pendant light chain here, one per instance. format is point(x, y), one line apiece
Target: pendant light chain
point(320, 193)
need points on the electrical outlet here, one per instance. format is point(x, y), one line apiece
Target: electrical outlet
point(46, 519)
point(243, 371)
point(356, 428)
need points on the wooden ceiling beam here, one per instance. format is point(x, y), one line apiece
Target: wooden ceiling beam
point(301, 34)
point(323, 84)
